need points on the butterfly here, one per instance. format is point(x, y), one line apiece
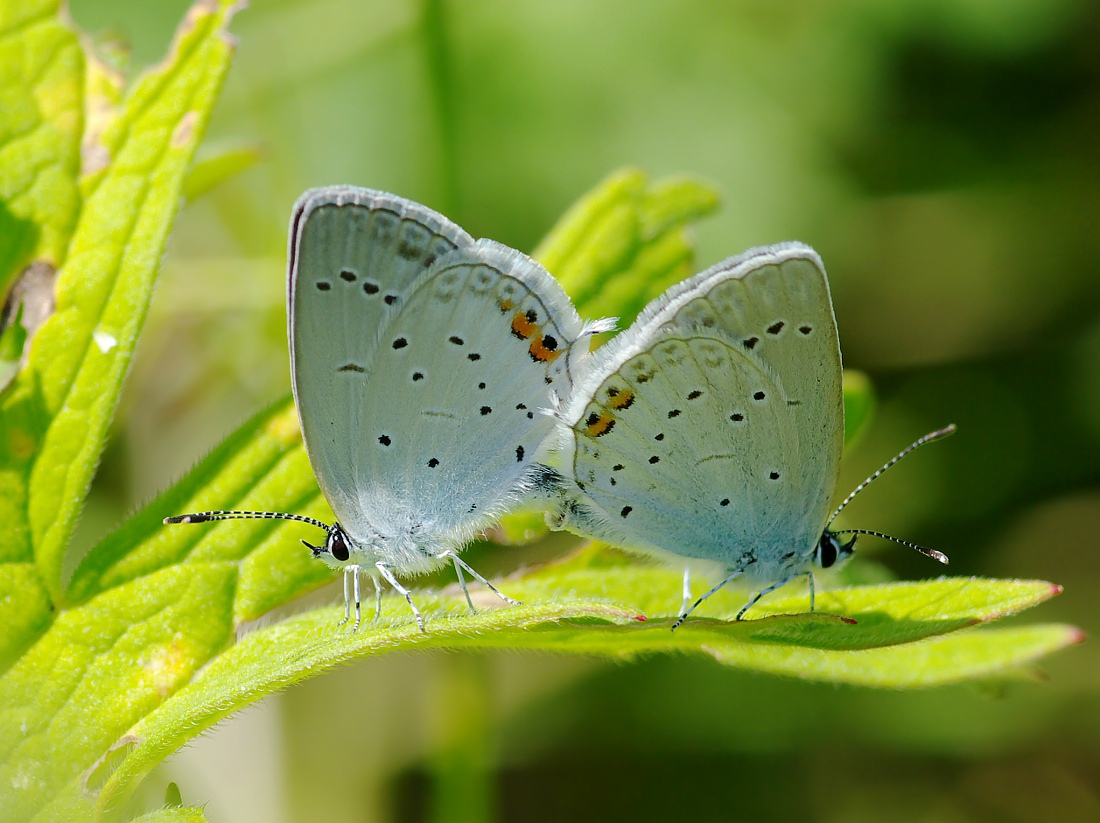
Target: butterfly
point(420, 360)
point(710, 432)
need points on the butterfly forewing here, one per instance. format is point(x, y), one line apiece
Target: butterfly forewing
point(353, 255)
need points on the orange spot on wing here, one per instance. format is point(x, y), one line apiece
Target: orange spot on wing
point(598, 423)
point(507, 304)
point(621, 399)
point(541, 352)
point(523, 327)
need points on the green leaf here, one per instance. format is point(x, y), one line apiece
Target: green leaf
point(18, 238)
point(625, 242)
point(173, 814)
point(263, 466)
point(859, 404)
point(596, 602)
point(25, 609)
point(60, 406)
point(979, 653)
point(13, 338)
point(214, 167)
point(41, 122)
point(96, 672)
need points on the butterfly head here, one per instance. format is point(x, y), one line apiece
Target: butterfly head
point(337, 549)
point(832, 551)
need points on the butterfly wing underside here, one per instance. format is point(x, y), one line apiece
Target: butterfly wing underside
point(421, 361)
point(451, 412)
point(353, 255)
point(712, 428)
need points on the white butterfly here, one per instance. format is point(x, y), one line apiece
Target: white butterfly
point(420, 361)
point(711, 430)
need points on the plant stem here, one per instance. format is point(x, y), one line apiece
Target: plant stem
point(461, 767)
point(442, 89)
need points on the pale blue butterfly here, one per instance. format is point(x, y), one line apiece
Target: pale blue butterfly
point(421, 361)
point(711, 430)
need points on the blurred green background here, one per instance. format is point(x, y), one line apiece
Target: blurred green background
point(941, 155)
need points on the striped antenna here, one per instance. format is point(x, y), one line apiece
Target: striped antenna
point(939, 434)
point(927, 552)
point(206, 517)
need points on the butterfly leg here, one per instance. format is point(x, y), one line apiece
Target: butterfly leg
point(384, 570)
point(351, 595)
point(687, 593)
point(683, 617)
point(462, 583)
point(760, 594)
point(377, 598)
point(355, 591)
point(812, 593)
point(347, 596)
point(460, 562)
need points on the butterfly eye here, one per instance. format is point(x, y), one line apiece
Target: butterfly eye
point(338, 544)
point(830, 550)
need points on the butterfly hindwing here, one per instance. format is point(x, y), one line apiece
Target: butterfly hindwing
point(450, 419)
point(712, 427)
point(775, 303)
point(666, 451)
